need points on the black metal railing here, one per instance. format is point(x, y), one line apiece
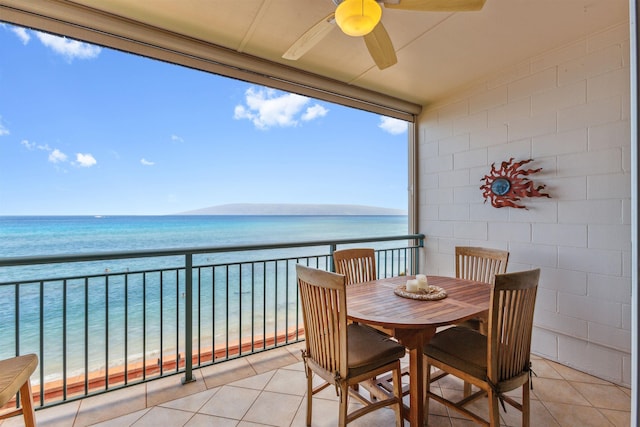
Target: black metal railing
point(120, 318)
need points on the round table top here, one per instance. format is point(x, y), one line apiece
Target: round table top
point(376, 303)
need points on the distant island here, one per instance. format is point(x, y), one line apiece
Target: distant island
point(293, 209)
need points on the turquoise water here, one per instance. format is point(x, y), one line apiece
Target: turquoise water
point(225, 291)
point(33, 236)
point(29, 236)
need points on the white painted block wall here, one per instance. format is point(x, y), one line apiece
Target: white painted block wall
point(568, 109)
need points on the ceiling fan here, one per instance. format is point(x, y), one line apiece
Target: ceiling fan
point(362, 18)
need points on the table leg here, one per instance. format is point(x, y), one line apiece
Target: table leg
point(414, 340)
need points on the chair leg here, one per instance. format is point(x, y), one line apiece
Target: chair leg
point(494, 411)
point(397, 391)
point(309, 395)
point(26, 399)
point(526, 405)
point(344, 405)
point(467, 389)
point(426, 389)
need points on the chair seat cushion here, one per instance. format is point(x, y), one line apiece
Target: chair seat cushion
point(14, 373)
point(473, 323)
point(369, 349)
point(460, 347)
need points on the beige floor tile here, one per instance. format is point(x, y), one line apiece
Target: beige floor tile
point(325, 414)
point(202, 420)
point(450, 382)
point(227, 372)
point(329, 393)
point(551, 390)
point(626, 390)
point(462, 422)
point(575, 375)
point(604, 396)
point(439, 421)
point(299, 366)
point(193, 402)
point(125, 420)
point(271, 360)
point(573, 415)
point(159, 416)
point(384, 417)
point(276, 408)
point(248, 424)
point(170, 388)
point(111, 405)
point(617, 418)
point(230, 402)
point(540, 416)
point(256, 382)
point(296, 349)
point(543, 369)
point(436, 408)
point(289, 382)
point(56, 416)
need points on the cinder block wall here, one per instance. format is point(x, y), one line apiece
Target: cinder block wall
point(568, 109)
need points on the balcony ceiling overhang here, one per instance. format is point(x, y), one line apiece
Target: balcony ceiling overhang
point(438, 52)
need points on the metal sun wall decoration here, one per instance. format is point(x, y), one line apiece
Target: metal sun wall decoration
point(506, 186)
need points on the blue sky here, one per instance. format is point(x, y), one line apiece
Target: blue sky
point(86, 130)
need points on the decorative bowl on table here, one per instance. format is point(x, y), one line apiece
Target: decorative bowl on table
point(430, 293)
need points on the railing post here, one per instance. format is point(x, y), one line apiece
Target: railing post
point(188, 319)
point(332, 249)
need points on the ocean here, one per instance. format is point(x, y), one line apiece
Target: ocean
point(53, 235)
point(41, 305)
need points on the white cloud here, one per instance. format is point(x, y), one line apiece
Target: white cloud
point(3, 130)
point(146, 162)
point(22, 34)
point(314, 112)
point(85, 160)
point(393, 126)
point(268, 108)
point(57, 156)
point(70, 49)
point(28, 145)
point(176, 138)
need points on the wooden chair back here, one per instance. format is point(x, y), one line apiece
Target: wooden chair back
point(510, 325)
point(480, 264)
point(324, 303)
point(358, 264)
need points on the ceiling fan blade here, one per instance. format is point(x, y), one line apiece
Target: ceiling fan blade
point(380, 47)
point(310, 38)
point(437, 5)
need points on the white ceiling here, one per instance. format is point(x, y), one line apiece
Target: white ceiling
point(437, 52)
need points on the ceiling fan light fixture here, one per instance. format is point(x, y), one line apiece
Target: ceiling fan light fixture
point(358, 17)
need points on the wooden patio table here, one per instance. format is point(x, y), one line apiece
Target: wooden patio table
point(414, 322)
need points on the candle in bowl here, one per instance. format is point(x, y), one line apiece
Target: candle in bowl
point(412, 286)
point(422, 281)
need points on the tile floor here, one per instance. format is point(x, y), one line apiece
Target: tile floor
point(268, 389)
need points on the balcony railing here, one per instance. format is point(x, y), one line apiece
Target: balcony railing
point(103, 321)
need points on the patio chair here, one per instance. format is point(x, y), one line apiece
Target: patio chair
point(15, 376)
point(482, 265)
point(496, 363)
point(358, 265)
point(343, 354)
